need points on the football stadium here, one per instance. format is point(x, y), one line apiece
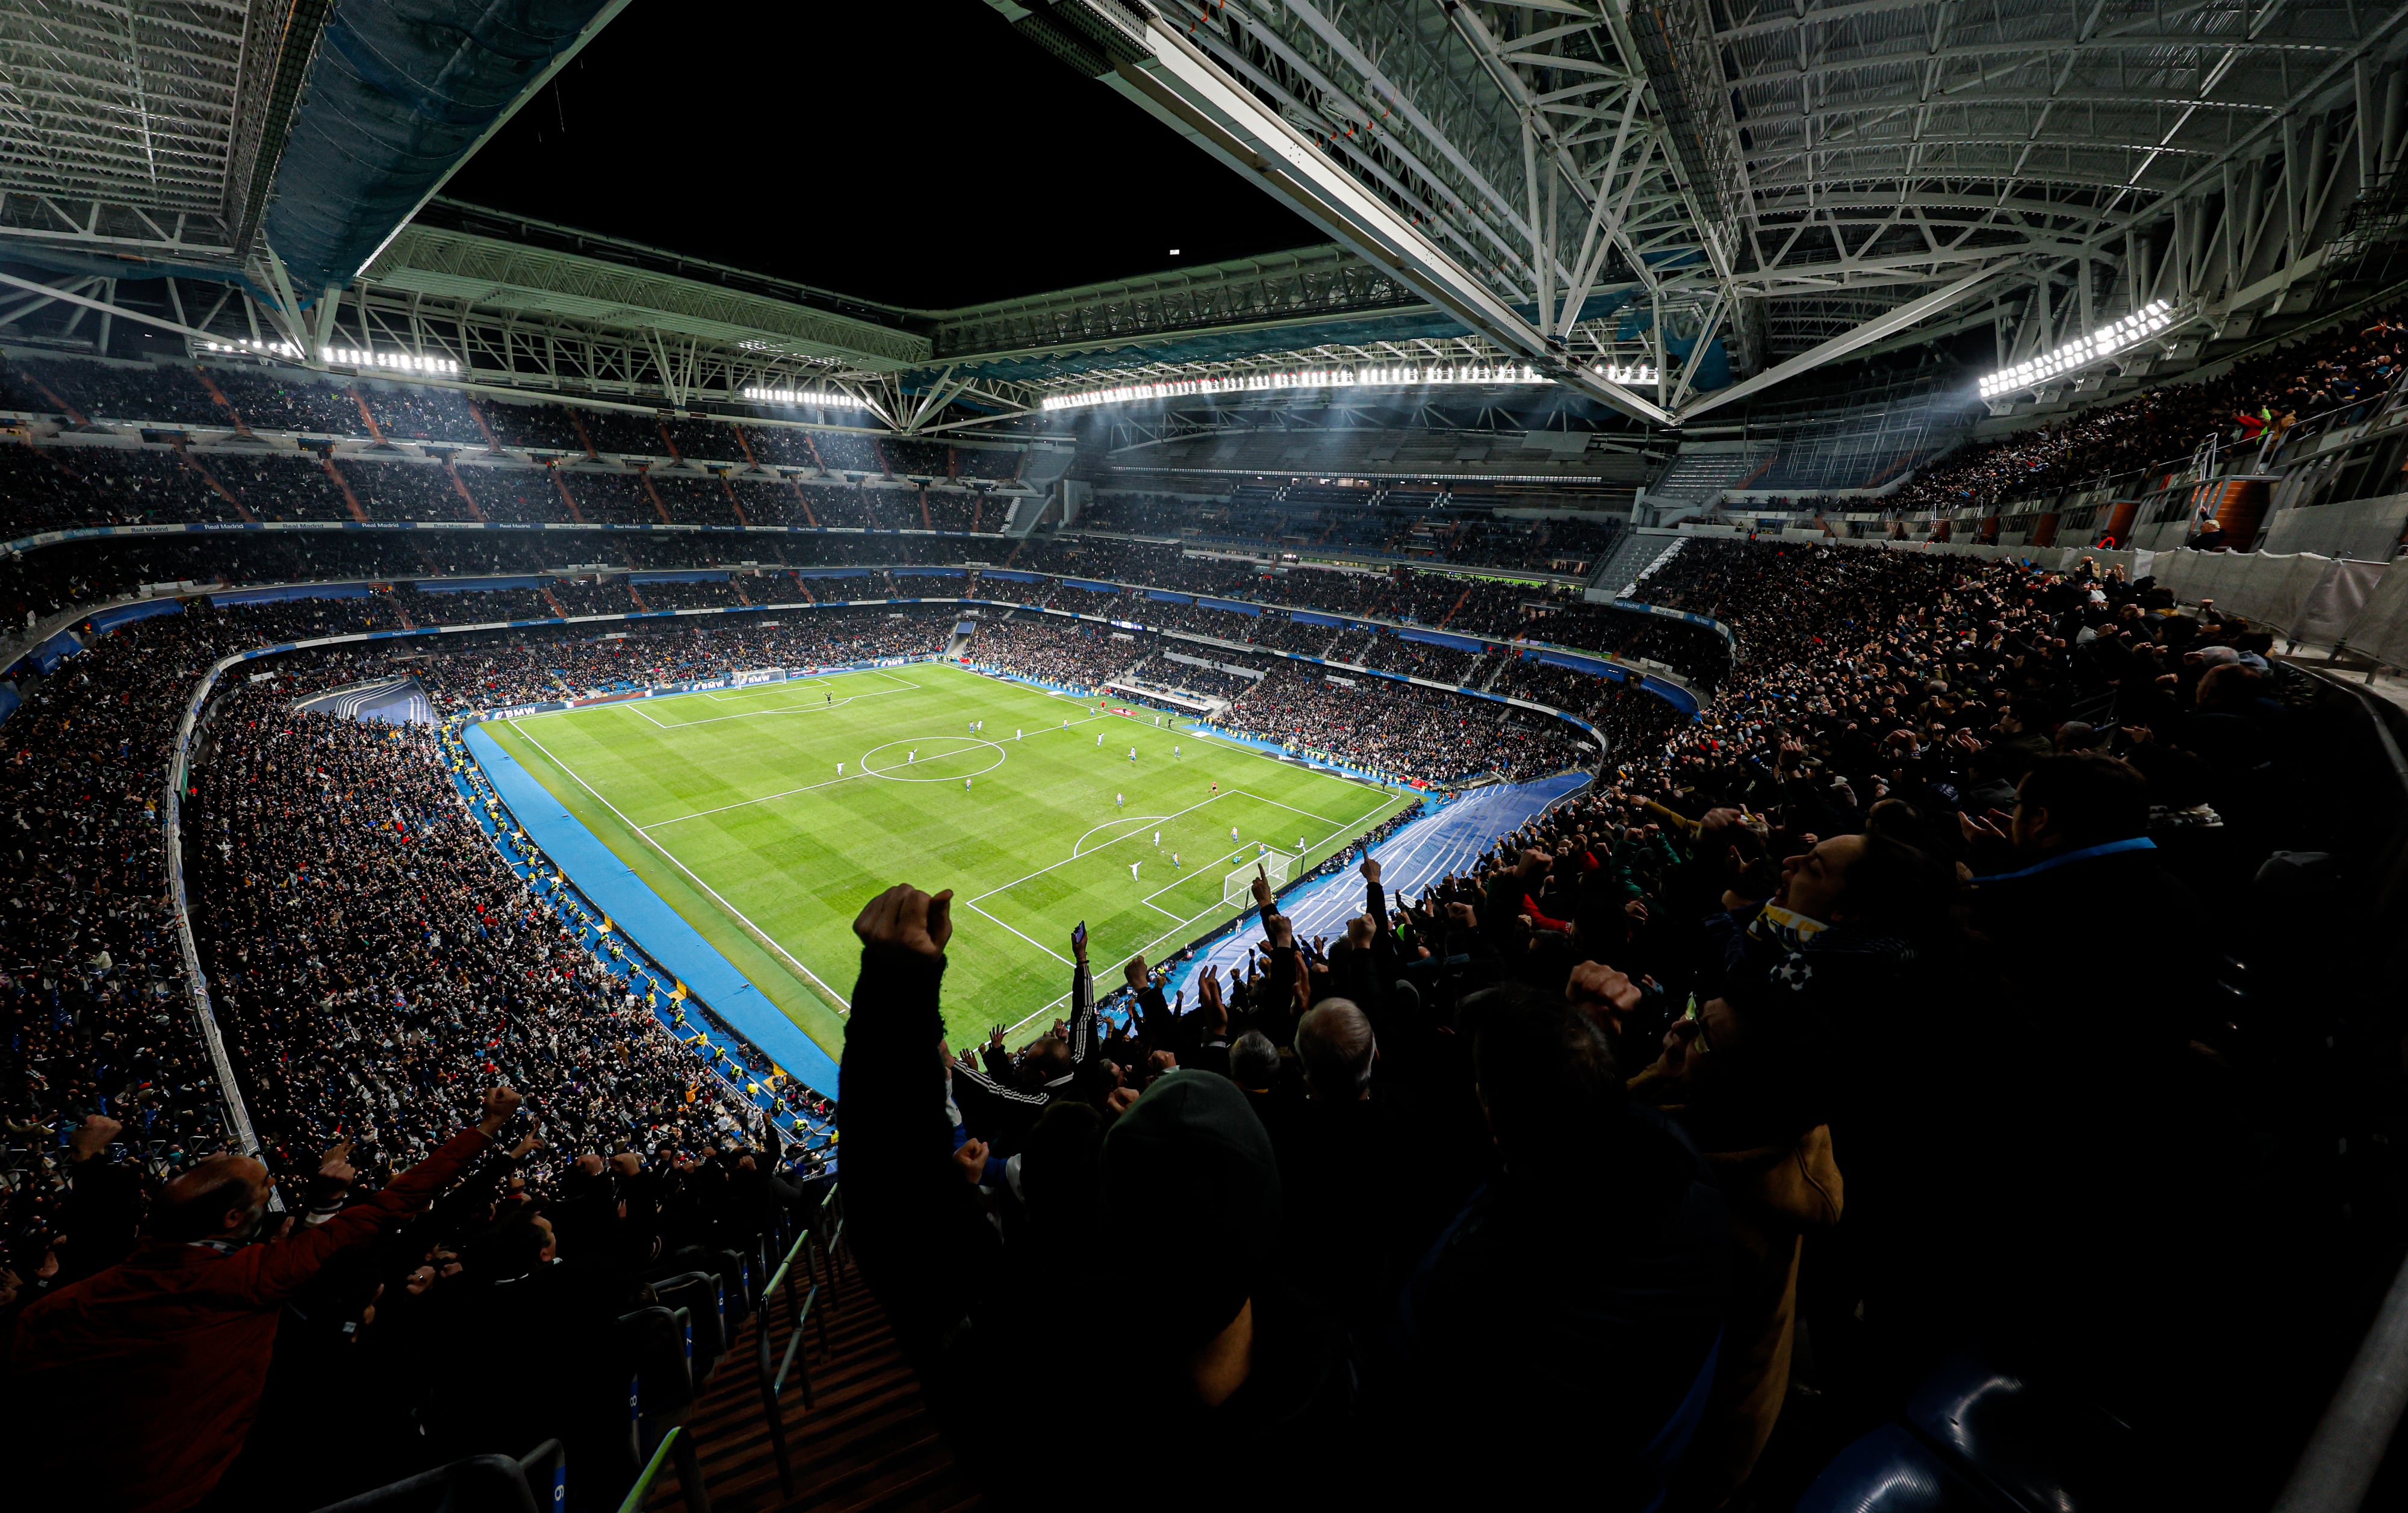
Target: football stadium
point(1432, 753)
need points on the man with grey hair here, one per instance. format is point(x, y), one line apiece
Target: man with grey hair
point(1336, 1046)
point(1253, 1062)
point(1359, 1211)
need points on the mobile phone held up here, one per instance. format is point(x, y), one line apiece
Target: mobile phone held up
point(1078, 937)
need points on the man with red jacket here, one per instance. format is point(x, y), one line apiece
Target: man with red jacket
point(173, 1343)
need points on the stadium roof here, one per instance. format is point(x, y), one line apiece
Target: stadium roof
point(172, 135)
point(1714, 194)
point(1806, 179)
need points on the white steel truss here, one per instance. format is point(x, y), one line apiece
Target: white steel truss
point(146, 126)
point(1806, 169)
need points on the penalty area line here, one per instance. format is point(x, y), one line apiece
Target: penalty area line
point(846, 1007)
point(1030, 938)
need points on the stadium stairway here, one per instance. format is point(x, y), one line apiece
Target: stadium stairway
point(1633, 555)
point(1694, 482)
point(869, 1443)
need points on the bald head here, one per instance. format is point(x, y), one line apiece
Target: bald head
point(220, 1198)
point(1334, 1046)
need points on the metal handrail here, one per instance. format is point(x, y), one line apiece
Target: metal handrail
point(773, 1379)
point(2323, 420)
point(642, 1489)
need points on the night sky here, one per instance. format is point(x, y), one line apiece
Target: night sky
point(938, 159)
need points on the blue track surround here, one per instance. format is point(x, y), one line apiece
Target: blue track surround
point(648, 920)
point(1446, 839)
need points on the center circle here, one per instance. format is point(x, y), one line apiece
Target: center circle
point(932, 749)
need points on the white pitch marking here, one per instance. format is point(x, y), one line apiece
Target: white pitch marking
point(1138, 819)
point(746, 803)
point(1074, 856)
point(821, 708)
point(1030, 938)
point(680, 865)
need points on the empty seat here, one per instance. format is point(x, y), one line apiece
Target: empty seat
point(701, 1294)
point(2038, 1447)
point(1890, 1470)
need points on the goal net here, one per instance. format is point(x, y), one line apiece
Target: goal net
point(1237, 889)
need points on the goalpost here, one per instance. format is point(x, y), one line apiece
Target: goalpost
point(1237, 889)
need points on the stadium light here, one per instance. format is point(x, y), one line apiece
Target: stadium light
point(250, 344)
point(402, 362)
point(2081, 352)
point(807, 396)
point(1408, 375)
point(1630, 377)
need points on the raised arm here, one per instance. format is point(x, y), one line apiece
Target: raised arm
point(277, 1271)
point(916, 1222)
point(1082, 1035)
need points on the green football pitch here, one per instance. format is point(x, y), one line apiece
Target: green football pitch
point(731, 805)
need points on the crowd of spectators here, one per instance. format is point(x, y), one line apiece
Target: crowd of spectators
point(371, 949)
point(2269, 393)
point(51, 487)
point(624, 433)
point(605, 498)
point(437, 605)
point(1634, 1050)
point(1070, 653)
point(274, 399)
point(781, 446)
point(693, 500)
point(532, 423)
point(702, 442)
point(115, 391)
point(420, 413)
point(688, 593)
point(405, 491)
point(914, 458)
point(848, 451)
point(1381, 726)
point(371, 953)
point(90, 982)
point(520, 496)
point(1819, 1017)
point(1002, 464)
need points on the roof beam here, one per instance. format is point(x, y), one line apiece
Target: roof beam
point(1175, 82)
point(1846, 342)
point(2384, 23)
point(104, 307)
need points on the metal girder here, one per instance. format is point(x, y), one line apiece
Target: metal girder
point(2028, 47)
point(1309, 284)
point(45, 294)
point(105, 226)
point(128, 104)
point(1840, 346)
point(1879, 151)
point(490, 273)
point(539, 350)
point(146, 129)
point(2384, 28)
point(535, 83)
point(1574, 70)
point(1179, 84)
point(1370, 85)
point(1904, 102)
